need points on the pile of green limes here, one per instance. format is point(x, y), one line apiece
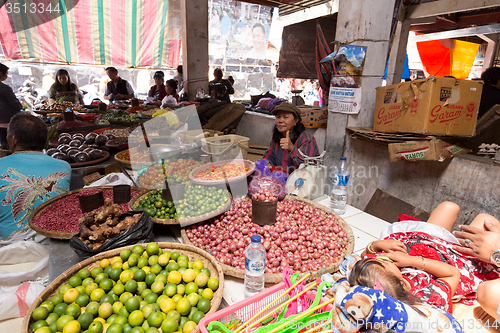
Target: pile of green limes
point(139, 291)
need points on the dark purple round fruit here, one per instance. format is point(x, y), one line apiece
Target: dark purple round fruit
point(82, 157)
point(101, 140)
point(87, 150)
point(63, 140)
point(64, 148)
point(96, 154)
point(72, 151)
point(78, 136)
point(95, 146)
point(60, 156)
point(75, 143)
point(111, 136)
point(52, 151)
point(83, 147)
point(90, 138)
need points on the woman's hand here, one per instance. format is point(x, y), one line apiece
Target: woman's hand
point(400, 259)
point(389, 245)
point(286, 143)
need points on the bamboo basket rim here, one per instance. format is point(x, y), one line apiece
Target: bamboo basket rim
point(43, 206)
point(63, 277)
point(189, 220)
point(278, 277)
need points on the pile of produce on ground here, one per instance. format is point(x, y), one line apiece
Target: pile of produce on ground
point(134, 155)
point(220, 172)
point(65, 124)
point(303, 238)
point(117, 132)
point(64, 214)
point(78, 148)
point(198, 200)
point(135, 109)
point(154, 175)
point(117, 115)
point(135, 291)
point(59, 107)
point(100, 225)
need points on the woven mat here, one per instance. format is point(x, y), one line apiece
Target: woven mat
point(225, 117)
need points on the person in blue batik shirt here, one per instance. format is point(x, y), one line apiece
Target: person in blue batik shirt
point(28, 178)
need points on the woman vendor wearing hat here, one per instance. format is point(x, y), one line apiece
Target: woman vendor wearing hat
point(289, 135)
point(158, 91)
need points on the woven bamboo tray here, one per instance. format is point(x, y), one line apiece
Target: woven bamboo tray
point(191, 220)
point(248, 164)
point(192, 252)
point(128, 163)
point(41, 208)
point(278, 277)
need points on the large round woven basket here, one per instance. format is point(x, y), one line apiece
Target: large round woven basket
point(43, 206)
point(187, 221)
point(277, 277)
point(192, 252)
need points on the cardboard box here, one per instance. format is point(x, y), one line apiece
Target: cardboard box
point(430, 150)
point(313, 116)
point(437, 105)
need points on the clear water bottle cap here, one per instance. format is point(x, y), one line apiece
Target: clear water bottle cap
point(255, 239)
point(343, 158)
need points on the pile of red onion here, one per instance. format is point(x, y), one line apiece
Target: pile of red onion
point(303, 237)
point(264, 195)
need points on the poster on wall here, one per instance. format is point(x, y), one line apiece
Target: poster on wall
point(345, 88)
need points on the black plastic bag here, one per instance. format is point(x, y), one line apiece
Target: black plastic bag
point(140, 232)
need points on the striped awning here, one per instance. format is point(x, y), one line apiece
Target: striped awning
point(122, 33)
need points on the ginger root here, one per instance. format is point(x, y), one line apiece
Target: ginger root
point(98, 226)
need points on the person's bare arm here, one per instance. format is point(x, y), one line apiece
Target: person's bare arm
point(123, 96)
point(440, 270)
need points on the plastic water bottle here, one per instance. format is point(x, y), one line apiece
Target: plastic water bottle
point(339, 191)
point(255, 264)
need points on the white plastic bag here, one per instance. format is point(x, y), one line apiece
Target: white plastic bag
point(19, 289)
point(111, 180)
point(15, 301)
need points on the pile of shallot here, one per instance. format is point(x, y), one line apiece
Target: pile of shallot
point(303, 238)
point(264, 195)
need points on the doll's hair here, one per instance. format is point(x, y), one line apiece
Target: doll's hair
point(368, 271)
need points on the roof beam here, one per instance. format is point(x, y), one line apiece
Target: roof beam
point(443, 7)
point(481, 30)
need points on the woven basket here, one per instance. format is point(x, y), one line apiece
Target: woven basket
point(277, 277)
point(248, 164)
point(187, 221)
point(43, 206)
point(192, 252)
